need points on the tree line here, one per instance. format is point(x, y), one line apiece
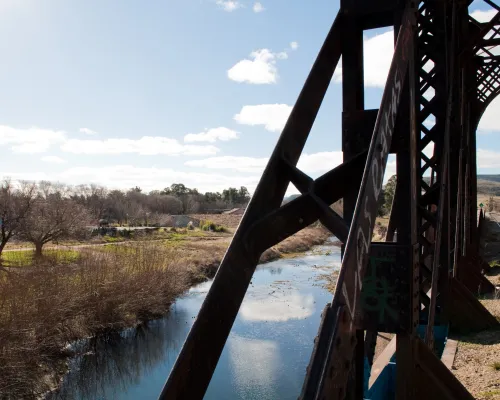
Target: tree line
point(386, 197)
point(40, 212)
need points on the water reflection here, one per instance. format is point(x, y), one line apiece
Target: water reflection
point(277, 306)
point(265, 356)
point(254, 364)
point(275, 270)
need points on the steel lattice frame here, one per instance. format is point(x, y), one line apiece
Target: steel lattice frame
point(433, 145)
point(486, 49)
point(428, 117)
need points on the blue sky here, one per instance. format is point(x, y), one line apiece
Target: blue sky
point(125, 93)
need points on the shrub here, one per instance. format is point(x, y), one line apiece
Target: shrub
point(211, 226)
point(125, 233)
point(52, 304)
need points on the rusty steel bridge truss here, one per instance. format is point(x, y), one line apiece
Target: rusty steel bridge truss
point(444, 73)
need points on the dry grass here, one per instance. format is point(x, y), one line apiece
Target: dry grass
point(45, 306)
point(300, 242)
point(229, 220)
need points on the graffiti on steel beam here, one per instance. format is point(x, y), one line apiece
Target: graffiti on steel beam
point(377, 293)
point(358, 245)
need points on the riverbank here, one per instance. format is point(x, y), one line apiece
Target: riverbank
point(49, 304)
point(265, 355)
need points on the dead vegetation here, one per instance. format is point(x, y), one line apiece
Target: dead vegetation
point(300, 242)
point(230, 220)
point(48, 304)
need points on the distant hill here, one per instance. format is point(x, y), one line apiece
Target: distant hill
point(486, 184)
point(492, 178)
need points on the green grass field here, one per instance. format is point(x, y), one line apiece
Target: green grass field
point(24, 258)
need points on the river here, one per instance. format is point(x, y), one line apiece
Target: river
point(265, 356)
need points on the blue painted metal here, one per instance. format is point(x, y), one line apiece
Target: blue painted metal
point(440, 337)
point(384, 387)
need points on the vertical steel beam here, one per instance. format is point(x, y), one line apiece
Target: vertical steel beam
point(352, 94)
point(441, 254)
point(353, 100)
point(339, 358)
point(405, 357)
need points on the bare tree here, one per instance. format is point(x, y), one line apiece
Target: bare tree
point(164, 204)
point(52, 215)
point(94, 197)
point(15, 203)
point(192, 204)
point(117, 206)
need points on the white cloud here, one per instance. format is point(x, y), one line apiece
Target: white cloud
point(53, 159)
point(88, 131)
point(319, 162)
point(483, 16)
point(148, 178)
point(151, 178)
point(390, 168)
point(489, 121)
point(283, 55)
point(260, 69)
point(229, 5)
point(258, 7)
point(146, 145)
point(378, 51)
point(27, 176)
point(212, 135)
point(31, 140)
point(272, 116)
point(488, 159)
point(241, 164)
point(315, 163)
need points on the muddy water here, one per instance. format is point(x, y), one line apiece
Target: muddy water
point(265, 356)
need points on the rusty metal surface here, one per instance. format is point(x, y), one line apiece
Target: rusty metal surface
point(337, 363)
point(440, 256)
point(429, 120)
point(386, 291)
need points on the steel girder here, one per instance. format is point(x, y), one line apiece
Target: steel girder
point(431, 107)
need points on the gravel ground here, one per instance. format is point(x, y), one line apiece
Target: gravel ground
point(477, 353)
point(476, 356)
